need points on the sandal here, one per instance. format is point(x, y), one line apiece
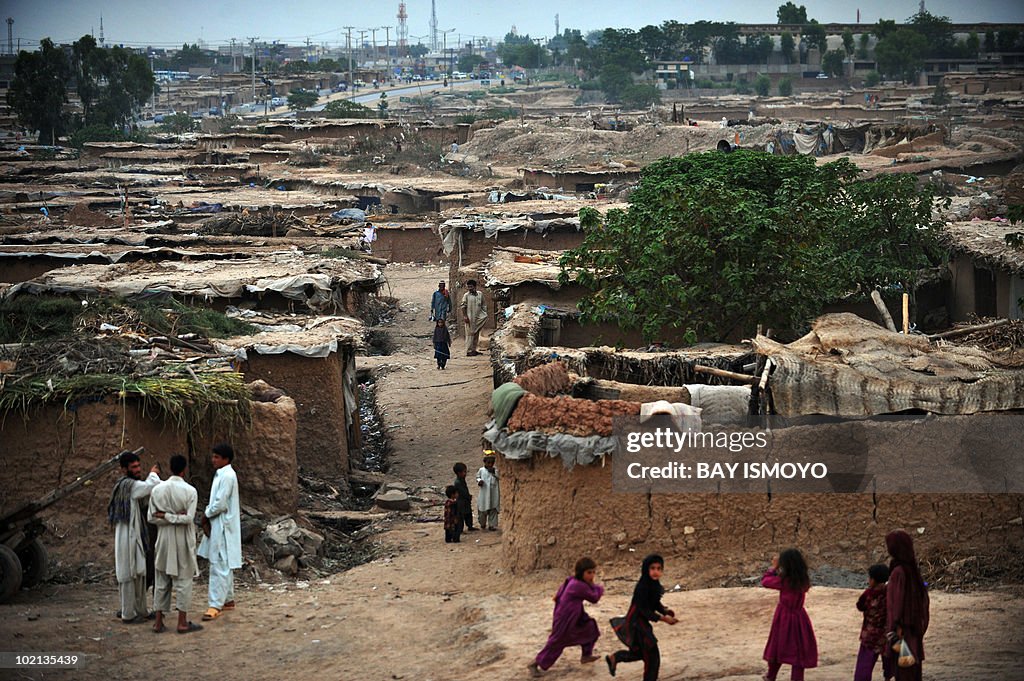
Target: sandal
point(191, 627)
point(587, 659)
point(211, 614)
point(610, 661)
point(535, 670)
point(230, 605)
point(159, 630)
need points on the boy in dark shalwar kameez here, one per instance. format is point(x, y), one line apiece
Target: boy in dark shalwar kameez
point(635, 628)
point(570, 624)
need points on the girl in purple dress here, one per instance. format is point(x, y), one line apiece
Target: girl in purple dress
point(791, 640)
point(571, 625)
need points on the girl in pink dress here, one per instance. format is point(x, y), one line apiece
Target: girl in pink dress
point(791, 640)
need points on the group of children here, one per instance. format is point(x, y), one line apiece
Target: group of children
point(458, 505)
point(894, 617)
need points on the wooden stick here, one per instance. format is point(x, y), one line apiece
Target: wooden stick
point(883, 311)
point(764, 374)
point(968, 329)
point(722, 373)
point(906, 313)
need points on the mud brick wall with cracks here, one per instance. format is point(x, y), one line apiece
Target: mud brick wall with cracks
point(53, 447)
point(415, 244)
point(552, 516)
point(316, 385)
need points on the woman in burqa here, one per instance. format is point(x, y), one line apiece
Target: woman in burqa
point(906, 602)
point(635, 629)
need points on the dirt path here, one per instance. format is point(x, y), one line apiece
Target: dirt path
point(430, 611)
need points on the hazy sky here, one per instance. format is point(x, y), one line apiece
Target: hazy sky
point(167, 23)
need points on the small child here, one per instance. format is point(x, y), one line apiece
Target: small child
point(635, 628)
point(791, 640)
point(442, 344)
point(465, 505)
point(452, 519)
point(570, 623)
point(872, 631)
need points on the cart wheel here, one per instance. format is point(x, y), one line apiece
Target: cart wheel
point(34, 563)
point(10, 573)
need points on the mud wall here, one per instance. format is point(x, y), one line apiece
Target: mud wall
point(415, 244)
point(53, 447)
point(315, 383)
point(552, 516)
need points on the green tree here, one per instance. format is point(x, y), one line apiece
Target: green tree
point(862, 49)
point(763, 85)
point(786, 45)
point(937, 32)
point(639, 96)
point(1006, 40)
point(38, 90)
point(418, 50)
point(614, 80)
point(468, 62)
point(178, 123)
point(791, 14)
point(301, 99)
point(848, 43)
point(327, 65)
point(713, 244)
point(815, 35)
point(885, 27)
point(973, 44)
point(901, 54)
point(832, 63)
point(112, 83)
point(872, 78)
point(990, 41)
point(785, 87)
point(941, 96)
point(345, 108)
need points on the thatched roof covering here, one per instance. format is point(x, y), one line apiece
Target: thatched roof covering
point(312, 337)
point(985, 241)
point(848, 366)
point(316, 282)
point(510, 266)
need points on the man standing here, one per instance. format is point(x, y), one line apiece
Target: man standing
point(488, 498)
point(474, 314)
point(440, 304)
point(172, 508)
point(222, 545)
point(131, 535)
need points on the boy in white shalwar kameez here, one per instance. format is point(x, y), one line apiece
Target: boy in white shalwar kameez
point(222, 525)
point(488, 495)
point(130, 535)
point(172, 508)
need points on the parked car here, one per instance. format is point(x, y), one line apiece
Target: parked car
point(822, 75)
point(278, 101)
point(417, 77)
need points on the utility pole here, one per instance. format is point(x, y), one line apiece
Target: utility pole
point(387, 49)
point(252, 42)
point(10, 35)
point(233, 67)
point(433, 26)
point(348, 44)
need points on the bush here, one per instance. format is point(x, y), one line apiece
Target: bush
point(763, 85)
point(590, 85)
point(872, 79)
point(640, 96)
point(785, 87)
point(104, 133)
point(743, 87)
point(705, 83)
point(178, 123)
point(345, 108)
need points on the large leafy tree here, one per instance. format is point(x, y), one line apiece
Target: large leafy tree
point(832, 63)
point(901, 54)
point(791, 14)
point(713, 243)
point(301, 99)
point(38, 90)
point(112, 83)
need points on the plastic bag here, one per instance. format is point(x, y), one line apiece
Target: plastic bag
point(905, 658)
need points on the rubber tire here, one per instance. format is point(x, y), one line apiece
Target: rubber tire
point(35, 563)
point(10, 573)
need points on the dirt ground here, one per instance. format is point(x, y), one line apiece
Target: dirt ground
point(427, 610)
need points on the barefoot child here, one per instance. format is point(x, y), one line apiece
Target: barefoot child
point(791, 640)
point(570, 624)
point(452, 519)
point(635, 628)
point(872, 631)
point(465, 505)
